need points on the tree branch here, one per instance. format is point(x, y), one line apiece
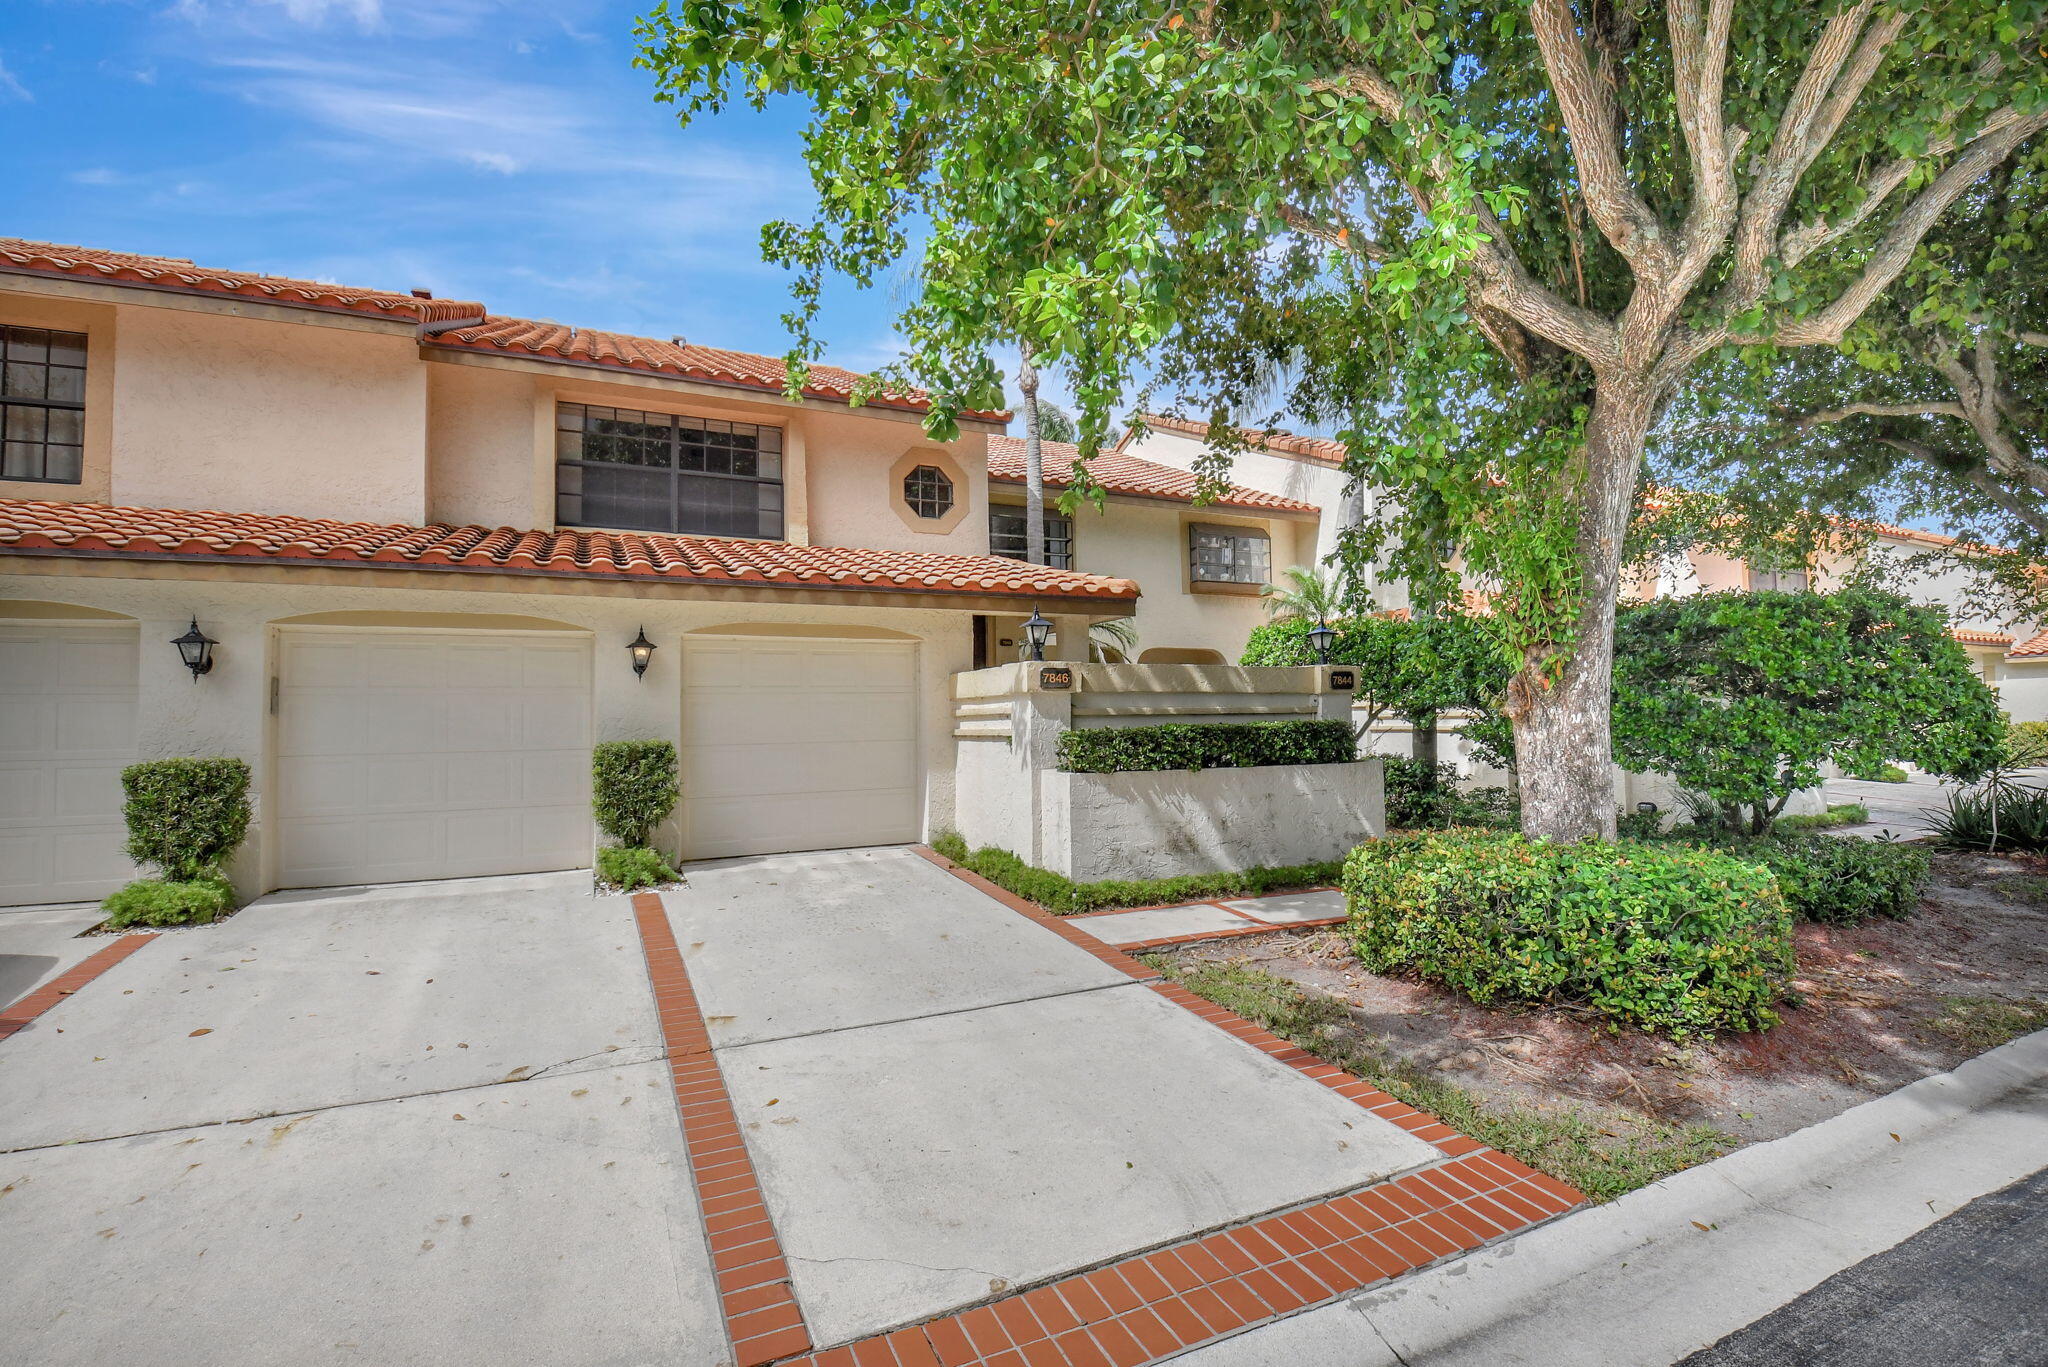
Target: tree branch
point(1336, 235)
point(1699, 58)
point(1593, 122)
point(1931, 409)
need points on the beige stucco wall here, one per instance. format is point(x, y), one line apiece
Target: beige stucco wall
point(251, 415)
point(483, 444)
point(227, 712)
point(99, 323)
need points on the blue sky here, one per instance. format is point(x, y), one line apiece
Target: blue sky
point(503, 150)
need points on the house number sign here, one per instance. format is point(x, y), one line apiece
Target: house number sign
point(1056, 676)
point(1343, 680)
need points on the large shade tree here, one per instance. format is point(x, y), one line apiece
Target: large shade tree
point(1496, 239)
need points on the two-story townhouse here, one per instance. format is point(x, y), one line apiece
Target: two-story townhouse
point(430, 549)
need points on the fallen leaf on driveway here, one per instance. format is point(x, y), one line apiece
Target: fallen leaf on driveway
point(581, 1091)
point(772, 1100)
point(202, 1030)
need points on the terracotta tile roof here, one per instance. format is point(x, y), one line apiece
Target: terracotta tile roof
point(621, 351)
point(175, 273)
point(2030, 648)
point(95, 529)
point(1970, 636)
point(1319, 450)
point(1122, 474)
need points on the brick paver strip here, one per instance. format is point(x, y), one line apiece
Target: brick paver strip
point(17, 1016)
point(762, 1317)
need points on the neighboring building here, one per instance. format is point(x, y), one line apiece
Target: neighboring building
point(422, 538)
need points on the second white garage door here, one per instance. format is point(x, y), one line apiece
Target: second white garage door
point(408, 755)
point(798, 744)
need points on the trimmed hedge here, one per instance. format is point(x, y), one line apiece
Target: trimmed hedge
point(1839, 880)
point(170, 902)
point(1062, 896)
point(633, 787)
point(186, 816)
point(1659, 936)
point(1194, 746)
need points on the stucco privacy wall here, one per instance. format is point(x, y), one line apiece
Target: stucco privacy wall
point(227, 711)
point(253, 415)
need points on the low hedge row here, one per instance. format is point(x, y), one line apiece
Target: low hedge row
point(1660, 936)
point(1835, 880)
point(1195, 746)
point(1062, 896)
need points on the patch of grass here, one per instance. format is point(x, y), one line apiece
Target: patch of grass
point(1602, 1159)
point(1062, 896)
point(1981, 1023)
point(1840, 814)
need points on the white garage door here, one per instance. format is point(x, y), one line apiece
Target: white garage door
point(67, 726)
point(403, 755)
point(792, 744)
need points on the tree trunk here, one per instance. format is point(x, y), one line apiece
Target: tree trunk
point(1034, 463)
point(1422, 742)
point(1564, 753)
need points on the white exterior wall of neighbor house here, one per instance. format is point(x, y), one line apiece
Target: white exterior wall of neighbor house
point(227, 712)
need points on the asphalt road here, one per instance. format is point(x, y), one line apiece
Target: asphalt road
point(1970, 1290)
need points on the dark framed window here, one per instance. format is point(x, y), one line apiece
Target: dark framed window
point(42, 405)
point(1006, 527)
point(1229, 555)
point(928, 491)
point(657, 472)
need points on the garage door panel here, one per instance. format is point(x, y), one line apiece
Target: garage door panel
point(446, 759)
point(799, 744)
point(67, 728)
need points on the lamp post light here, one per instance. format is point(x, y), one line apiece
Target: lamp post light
point(643, 653)
point(1036, 629)
point(1320, 640)
point(195, 649)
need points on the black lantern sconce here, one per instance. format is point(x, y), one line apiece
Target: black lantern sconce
point(1036, 629)
point(1319, 640)
point(643, 652)
point(195, 648)
point(1647, 808)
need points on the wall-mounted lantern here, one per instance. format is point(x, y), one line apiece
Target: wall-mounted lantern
point(1647, 808)
point(643, 652)
point(195, 648)
point(1036, 629)
point(1319, 640)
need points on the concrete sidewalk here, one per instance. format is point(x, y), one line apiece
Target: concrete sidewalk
point(1674, 1267)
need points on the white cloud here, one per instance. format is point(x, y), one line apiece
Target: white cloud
point(11, 88)
point(95, 175)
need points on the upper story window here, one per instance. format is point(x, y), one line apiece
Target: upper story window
point(928, 491)
point(1229, 555)
point(42, 405)
point(1780, 581)
point(1006, 528)
point(657, 472)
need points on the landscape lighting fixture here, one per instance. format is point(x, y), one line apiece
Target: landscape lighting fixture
point(195, 648)
point(643, 652)
point(1036, 628)
point(1320, 640)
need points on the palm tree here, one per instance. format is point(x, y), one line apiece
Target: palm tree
point(1306, 592)
point(1117, 636)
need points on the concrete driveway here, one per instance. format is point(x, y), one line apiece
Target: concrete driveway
point(419, 1124)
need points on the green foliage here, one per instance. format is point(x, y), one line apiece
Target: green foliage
point(1062, 896)
point(627, 867)
point(633, 787)
point(1890, 773)
point(1744, 697)
point(1411, 667)
point(1309, 593)
point(1602, 1155)
point(2027, 741)
point(170, 902)
point(2007, 817)
point(1194, 745)
point(1840, 814)
point(1980, 1023)
point(1838, 880)
point(1657, 936)
point(1422, 797)
point(186, 816)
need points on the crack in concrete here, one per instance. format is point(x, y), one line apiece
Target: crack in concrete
point(932, 1015)
point(1357, 1308)
point(899, 1262)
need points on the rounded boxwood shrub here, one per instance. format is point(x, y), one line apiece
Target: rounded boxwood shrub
point(633, 787)
point(1664, 937)
point(186, 816)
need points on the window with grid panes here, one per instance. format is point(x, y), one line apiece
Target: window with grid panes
point(1229, 555)
point(1006, 526)
point(1780, 581)
point(42, 405)
point(928, 491)
point(657, 472)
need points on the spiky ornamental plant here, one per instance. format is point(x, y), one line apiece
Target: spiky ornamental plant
point(1495, 239)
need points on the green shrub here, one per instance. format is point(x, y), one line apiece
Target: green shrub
point(1840, 880)
point(2012, 816)
point(627, 867)
point(1222, 745)
point(1889, 773)
point(1638, 825)
point(1062, 896)
point(1659, 936)
point(170, 902)
point(186, 816)
point(1421, 797)
point(1841, 814)
point(633, 787)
